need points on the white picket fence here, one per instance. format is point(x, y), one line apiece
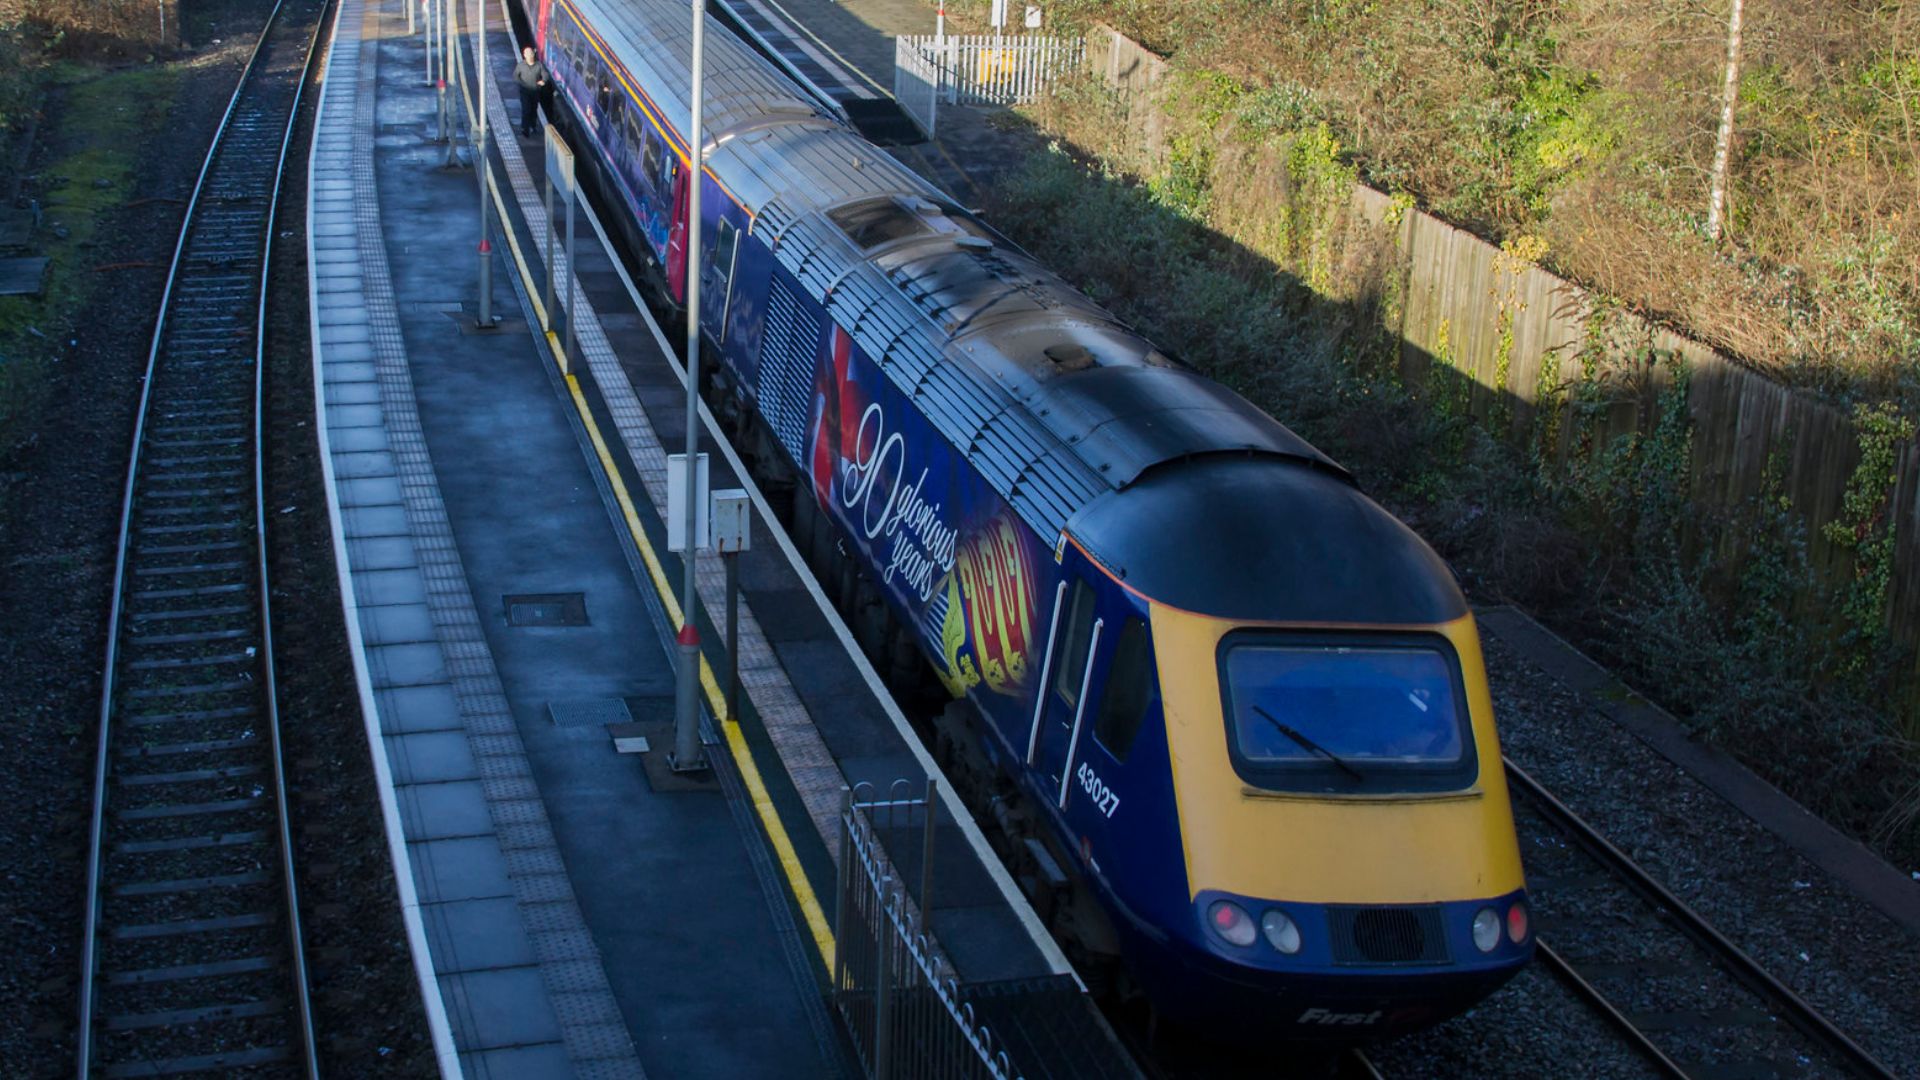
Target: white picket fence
point(976, 70)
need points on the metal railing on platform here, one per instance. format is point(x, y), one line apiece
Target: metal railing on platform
point(893, 985)
point(976, 70)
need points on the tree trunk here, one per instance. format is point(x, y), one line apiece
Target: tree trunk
point(1723, 146)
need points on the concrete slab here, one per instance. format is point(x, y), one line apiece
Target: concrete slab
point(500, 1008)
point(374, 587)
point(395, 624)
point(406, 665)
point(382, 553)
point(377, 491)
point(340, 419)
point(478, 935)
point(548, 1061)
point(372, 463)
point(370, 521)
point(350, 371)
point(418, 708)
point(462, 868)
point(352, 440)
point(444, 811)
point(431, 757)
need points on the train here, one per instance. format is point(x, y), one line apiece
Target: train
point(1231, 715)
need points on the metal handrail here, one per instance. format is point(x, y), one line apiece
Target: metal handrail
point(881, 931)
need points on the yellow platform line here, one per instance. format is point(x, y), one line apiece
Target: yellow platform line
point(769, 815)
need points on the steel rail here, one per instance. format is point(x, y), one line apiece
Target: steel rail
point(302, 990)
point(1362, 1066)
point(1741, 964)
point(1571, 975)
point(116, 612)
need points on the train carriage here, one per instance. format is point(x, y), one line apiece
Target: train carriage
point(1236, 701)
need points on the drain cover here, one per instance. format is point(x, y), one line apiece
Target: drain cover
point(588, 712)
point(546, 609)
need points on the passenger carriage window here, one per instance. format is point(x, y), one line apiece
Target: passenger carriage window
point(1129, 685)
point(1072, 661)
point(650, 165)
point(636, 133)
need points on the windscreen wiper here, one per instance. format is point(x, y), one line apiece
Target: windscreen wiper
point(1310, 745)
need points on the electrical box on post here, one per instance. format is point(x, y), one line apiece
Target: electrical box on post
point(732, 521)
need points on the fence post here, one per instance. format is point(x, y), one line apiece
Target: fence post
point(883, 987)
point(843, 889)
point(926, 858)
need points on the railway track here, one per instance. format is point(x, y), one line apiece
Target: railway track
point(192, 959)
point(1690, 1001)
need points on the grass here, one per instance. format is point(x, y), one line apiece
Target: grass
point(100, 118)
point(1587, 128)
point(1606, 544)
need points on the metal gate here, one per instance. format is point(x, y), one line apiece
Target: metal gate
point(891, 982)
point(978, 69)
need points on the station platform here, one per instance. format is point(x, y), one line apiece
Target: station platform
point(576, 910)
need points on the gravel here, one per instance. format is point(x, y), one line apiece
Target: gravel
point(1842, 954)
point(60, 495)
point(59, 511)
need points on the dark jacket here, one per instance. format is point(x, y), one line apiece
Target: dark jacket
point(530, 76)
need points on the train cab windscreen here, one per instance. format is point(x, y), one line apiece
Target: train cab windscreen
point(1360, 716)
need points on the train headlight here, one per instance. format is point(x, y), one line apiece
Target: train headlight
point(1486, 929)
point(1517, 922)
point(1231, 922)
point(1281, 933)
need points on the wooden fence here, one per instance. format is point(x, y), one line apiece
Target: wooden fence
point(1517, 331)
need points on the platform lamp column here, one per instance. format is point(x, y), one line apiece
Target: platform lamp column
point(449, 72)
point(687, 754)
point(480, 83)
point(446, 64)
point(426, 24)
point(410, 26)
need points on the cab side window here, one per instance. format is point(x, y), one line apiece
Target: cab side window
point(1129, 686)
point(726, 243)
point(1072, 661)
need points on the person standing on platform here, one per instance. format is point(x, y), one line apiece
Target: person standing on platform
point(530, 75)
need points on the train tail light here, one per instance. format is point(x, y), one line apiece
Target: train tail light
point(1517, 922)
point(1231, 922)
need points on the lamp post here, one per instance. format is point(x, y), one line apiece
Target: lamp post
point(480, 80)
point(687, 755)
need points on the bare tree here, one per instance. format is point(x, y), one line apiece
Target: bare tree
point(1716, 208)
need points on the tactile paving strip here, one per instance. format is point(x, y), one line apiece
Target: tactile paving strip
point(575, 980)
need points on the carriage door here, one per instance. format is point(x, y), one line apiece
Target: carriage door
point(1077, 639)
point(716, 280)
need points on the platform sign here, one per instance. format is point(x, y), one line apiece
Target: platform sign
point(677, 502)
point(999, 17)
point(559, 161)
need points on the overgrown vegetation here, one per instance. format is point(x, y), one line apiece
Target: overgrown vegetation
point(87, 175)
point(1583, 516)
point(1588, 126)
